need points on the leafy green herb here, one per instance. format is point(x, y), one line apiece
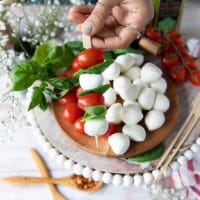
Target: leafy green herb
point(96, 69)
point(117, 52)
point(38, 98)
point(24, 74)
point(167, 24)
point(75, 45)
point(55, 95)
point(46, 72)
point(149, 155)
point(108, 55)
point(100, 89)
point(64, 83)
point(94, 112)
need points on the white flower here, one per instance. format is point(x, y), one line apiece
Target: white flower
point(2, 26)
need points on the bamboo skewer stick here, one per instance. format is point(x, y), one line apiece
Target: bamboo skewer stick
point(87, 41)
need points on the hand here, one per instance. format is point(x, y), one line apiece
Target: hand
point(112, 23)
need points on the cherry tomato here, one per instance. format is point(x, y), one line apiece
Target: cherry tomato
point(194, 78)
point(191, 63)
point(166, 47)
point(153, 33)
point(78, 90)
point(169, 60)
point(110, 131)
point(184, 52)
point(75, 65)
point(89, 57)
point(69, 97)
point(178, 74)
point(90, 99)
point(72, 112)
point(176, 37)
point(66, 73)
point(79, 126)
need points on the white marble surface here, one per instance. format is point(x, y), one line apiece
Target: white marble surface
point(16, 160)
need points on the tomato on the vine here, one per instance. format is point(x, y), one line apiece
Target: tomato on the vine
point(176, 37)
point(78, 90)
point(69, 97)
point(79, 126)
point(90, 99)
point(194, 77)
point(88, 58)
point(153, 33)
point(72, 112)
point(75, 65)
point(169, 60)
point(66, 73)
point(110, 131)
point(184, 52)
point(178, 74)
point(191, 63)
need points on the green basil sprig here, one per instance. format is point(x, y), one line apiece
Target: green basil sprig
point(75, 45)
point(167, 24)
point(55, 95)
point(100, 89)
point(94, 112)
point(96, 69)
point(149, 155)
point(118, 52)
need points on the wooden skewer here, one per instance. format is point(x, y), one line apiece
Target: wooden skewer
point(196, 116)
point(87, 41)
point(195, 103)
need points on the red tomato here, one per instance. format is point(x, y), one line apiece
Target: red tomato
point(79, 126)
point(69, 97)
point(184, 52)
point(169, 60)
point(176, 37)
point(166, 47)
point(194, 78)
point(110, 131)
point(90, 99)
point(78, 90)
point(178, 74)
point(153, 33)
point(66, 73)
point(72, 112)
point(75, 65)
point(191, 63)
point(89, 57)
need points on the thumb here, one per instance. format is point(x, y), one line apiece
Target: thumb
point(97, 19)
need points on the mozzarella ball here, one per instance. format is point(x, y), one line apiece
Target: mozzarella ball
point(161, 103)
point(133, 73)
point(110, 97)
point(119, 143)
point(146, 98)
point(135, 132)
point(160, 85)
point(95, 127)
point(126, 103)
point(139, 58)
point(154, 119)
point(131, 114)
point(120, 83)
point(90, 81)
point(150, 73)
point(125, 61)
point(112, 71)
point(113, 113)
point(140, 82)
point(130, 92)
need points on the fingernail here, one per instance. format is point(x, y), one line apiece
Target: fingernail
point(87, 28)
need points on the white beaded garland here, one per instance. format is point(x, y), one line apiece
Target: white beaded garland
point(175, 165)
point(87, 172)
point(138, 180)
point(148, 178)
point(117, 180)
point(46, 147)
point(107, 177)
point(68, 164)
point(155, 173)
point(97, 175)
point(60, 160)
point(78, 169)
point(189, 154)
point(167, 172)
point(195, 148)
point(127, 181)
point(182, 160)
point(198, 141)
point(53, 153)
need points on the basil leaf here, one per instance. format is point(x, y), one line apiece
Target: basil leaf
point(42, 52)
point(118, 52)
point(96, 69)
point(75, 45)
point(37, 97)
point(167, 24)
point(64, 83)
point(43, 103)
point(24, 74)
point(55, 95)
point(100, 89)
point(94, 112)
point(60, 56)
point(108, 55)
point(149, 155)
point(46, 73)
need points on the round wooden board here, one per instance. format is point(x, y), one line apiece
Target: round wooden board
point(153, 138)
